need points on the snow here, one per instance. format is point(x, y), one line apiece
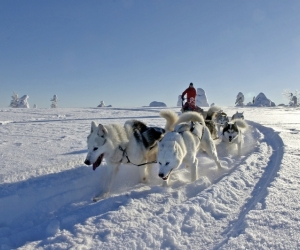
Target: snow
point(102, 104)
point(19, 102)
point(262, 101)
point(179, 101)
point(46, 191)
point(240, 99)
point(54, 101)
point(157, 104)
point(201, 99)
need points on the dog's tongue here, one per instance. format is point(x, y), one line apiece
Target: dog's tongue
point(167, 176)
point(98, 162)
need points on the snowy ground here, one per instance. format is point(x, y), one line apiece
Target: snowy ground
point(46, 190)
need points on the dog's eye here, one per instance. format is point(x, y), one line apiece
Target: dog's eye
point(95, 149)
point(159, 163)
point(102, 136)
point(167, 163)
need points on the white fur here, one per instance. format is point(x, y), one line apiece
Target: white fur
point(235, 137)
point(211, 112)
point(238, 115)
point(182, 145)
point(171, 118)
point(106, 140)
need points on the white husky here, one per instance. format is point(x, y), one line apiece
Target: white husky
point(238, 115)
point(232, 133)
point(186, 136)
point(134, 143)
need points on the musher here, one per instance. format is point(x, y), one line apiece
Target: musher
point(191, 97)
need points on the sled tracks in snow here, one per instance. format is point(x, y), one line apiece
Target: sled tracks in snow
point(260, 191)
point(62, 200)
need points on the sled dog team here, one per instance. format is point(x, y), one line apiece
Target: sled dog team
point(179, 142)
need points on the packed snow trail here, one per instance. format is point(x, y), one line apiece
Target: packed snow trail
point(53, 209)
point(260, 190)
point(64, 200)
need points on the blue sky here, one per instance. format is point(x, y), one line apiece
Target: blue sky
point(132, 52)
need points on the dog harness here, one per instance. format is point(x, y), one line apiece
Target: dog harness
point(192, 127)
point(128, 161)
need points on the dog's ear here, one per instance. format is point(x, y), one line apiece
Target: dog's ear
point(101, 129)
point(225, 128)
point(93, 126)
point(175, 147)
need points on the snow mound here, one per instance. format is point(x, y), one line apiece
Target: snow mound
point(157, 104)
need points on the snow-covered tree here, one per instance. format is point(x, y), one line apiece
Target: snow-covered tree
point(102, 104)
point(262, 101)
point(240, 99)
point(291, 97)
point(15, 100)
point(201, 98)
point(23, 103)
point(54, 101)
point(179, 101)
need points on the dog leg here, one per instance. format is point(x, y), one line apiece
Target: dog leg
point(165, 183)
point(194, 172)
point(212, 152)
point(111, 172)
point(239, 145)
point(144, 173)
point(149, 171)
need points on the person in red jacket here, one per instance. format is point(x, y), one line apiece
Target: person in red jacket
point(191, 96)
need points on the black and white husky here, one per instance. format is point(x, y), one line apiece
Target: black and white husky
point(134, 143)
point(221, 119)
point(232, 133)
point(185, 137)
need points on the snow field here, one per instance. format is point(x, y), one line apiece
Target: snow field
point(234, 207)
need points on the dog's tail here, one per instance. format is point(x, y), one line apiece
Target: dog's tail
point(240, 123)
point(191, 117)
point(171, 118)
point(211, 112)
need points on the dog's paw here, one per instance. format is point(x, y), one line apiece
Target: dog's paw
point(144, 180)
point(100, 197)
point(95, 199)
point(223, 167)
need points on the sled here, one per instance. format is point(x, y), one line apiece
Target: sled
point(188, 107)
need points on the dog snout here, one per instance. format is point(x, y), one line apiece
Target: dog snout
point(161, 175)
point(230, 138)
point(87, 162)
